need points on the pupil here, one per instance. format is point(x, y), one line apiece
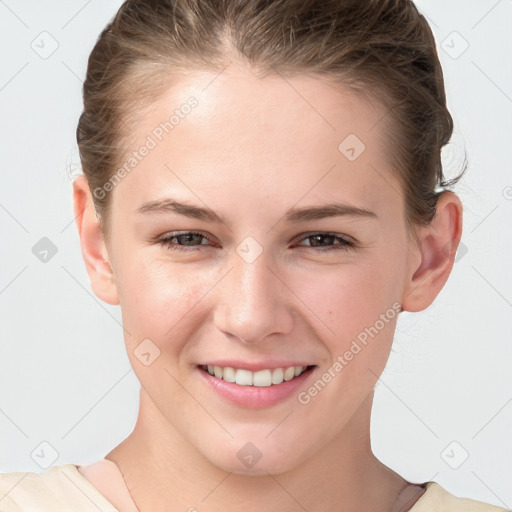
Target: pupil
point(316, 237)
point(189, 237)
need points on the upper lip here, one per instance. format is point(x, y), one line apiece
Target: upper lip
point(255, 366)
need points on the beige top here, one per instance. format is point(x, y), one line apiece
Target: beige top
point(100, 486)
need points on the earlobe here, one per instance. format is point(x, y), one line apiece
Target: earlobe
point(92, 243)
point(436, 247)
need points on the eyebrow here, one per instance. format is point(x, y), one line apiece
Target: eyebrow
point(293, 215)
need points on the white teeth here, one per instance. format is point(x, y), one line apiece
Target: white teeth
point(277, 376)
point(229, 374)
point(289, 373)
point(261, 378)
point(243, 377)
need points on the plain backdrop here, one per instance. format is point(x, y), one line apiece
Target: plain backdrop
point(443, 406)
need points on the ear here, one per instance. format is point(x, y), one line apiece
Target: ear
point(92, 243)
point(433, 254)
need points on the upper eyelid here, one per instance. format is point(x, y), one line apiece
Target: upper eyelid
point(342, 236)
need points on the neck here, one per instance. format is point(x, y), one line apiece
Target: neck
point(163, 471)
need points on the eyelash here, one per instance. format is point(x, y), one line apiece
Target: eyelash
point(345, 244)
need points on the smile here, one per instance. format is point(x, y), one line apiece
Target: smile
point(261, 378)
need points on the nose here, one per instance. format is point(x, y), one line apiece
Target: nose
point(254, 301)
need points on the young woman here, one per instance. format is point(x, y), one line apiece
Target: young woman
point(262, 195)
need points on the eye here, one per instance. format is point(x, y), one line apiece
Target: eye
point(185, 238)
point(184, 241)
point(316, 240)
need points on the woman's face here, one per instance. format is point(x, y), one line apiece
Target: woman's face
point(250, 158)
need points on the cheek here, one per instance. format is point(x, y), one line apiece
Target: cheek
point(355, 311)
point(345, 299)
point(358, 308)
point(160, 301)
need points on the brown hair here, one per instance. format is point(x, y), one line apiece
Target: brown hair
point(382, 49)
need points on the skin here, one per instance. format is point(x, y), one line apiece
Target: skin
point(250, 150)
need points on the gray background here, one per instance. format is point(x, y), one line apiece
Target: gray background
point(67, 391)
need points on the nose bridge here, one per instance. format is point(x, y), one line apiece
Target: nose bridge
point(253, 302)
point(253, 283)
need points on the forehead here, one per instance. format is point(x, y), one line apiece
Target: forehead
point(263, 138)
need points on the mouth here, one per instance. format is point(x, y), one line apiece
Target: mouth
point(262, 378)
point(259, 389)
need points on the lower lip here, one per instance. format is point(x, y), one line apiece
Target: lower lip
point(255, 397)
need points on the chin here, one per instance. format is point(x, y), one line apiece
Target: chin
point(259, 457)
